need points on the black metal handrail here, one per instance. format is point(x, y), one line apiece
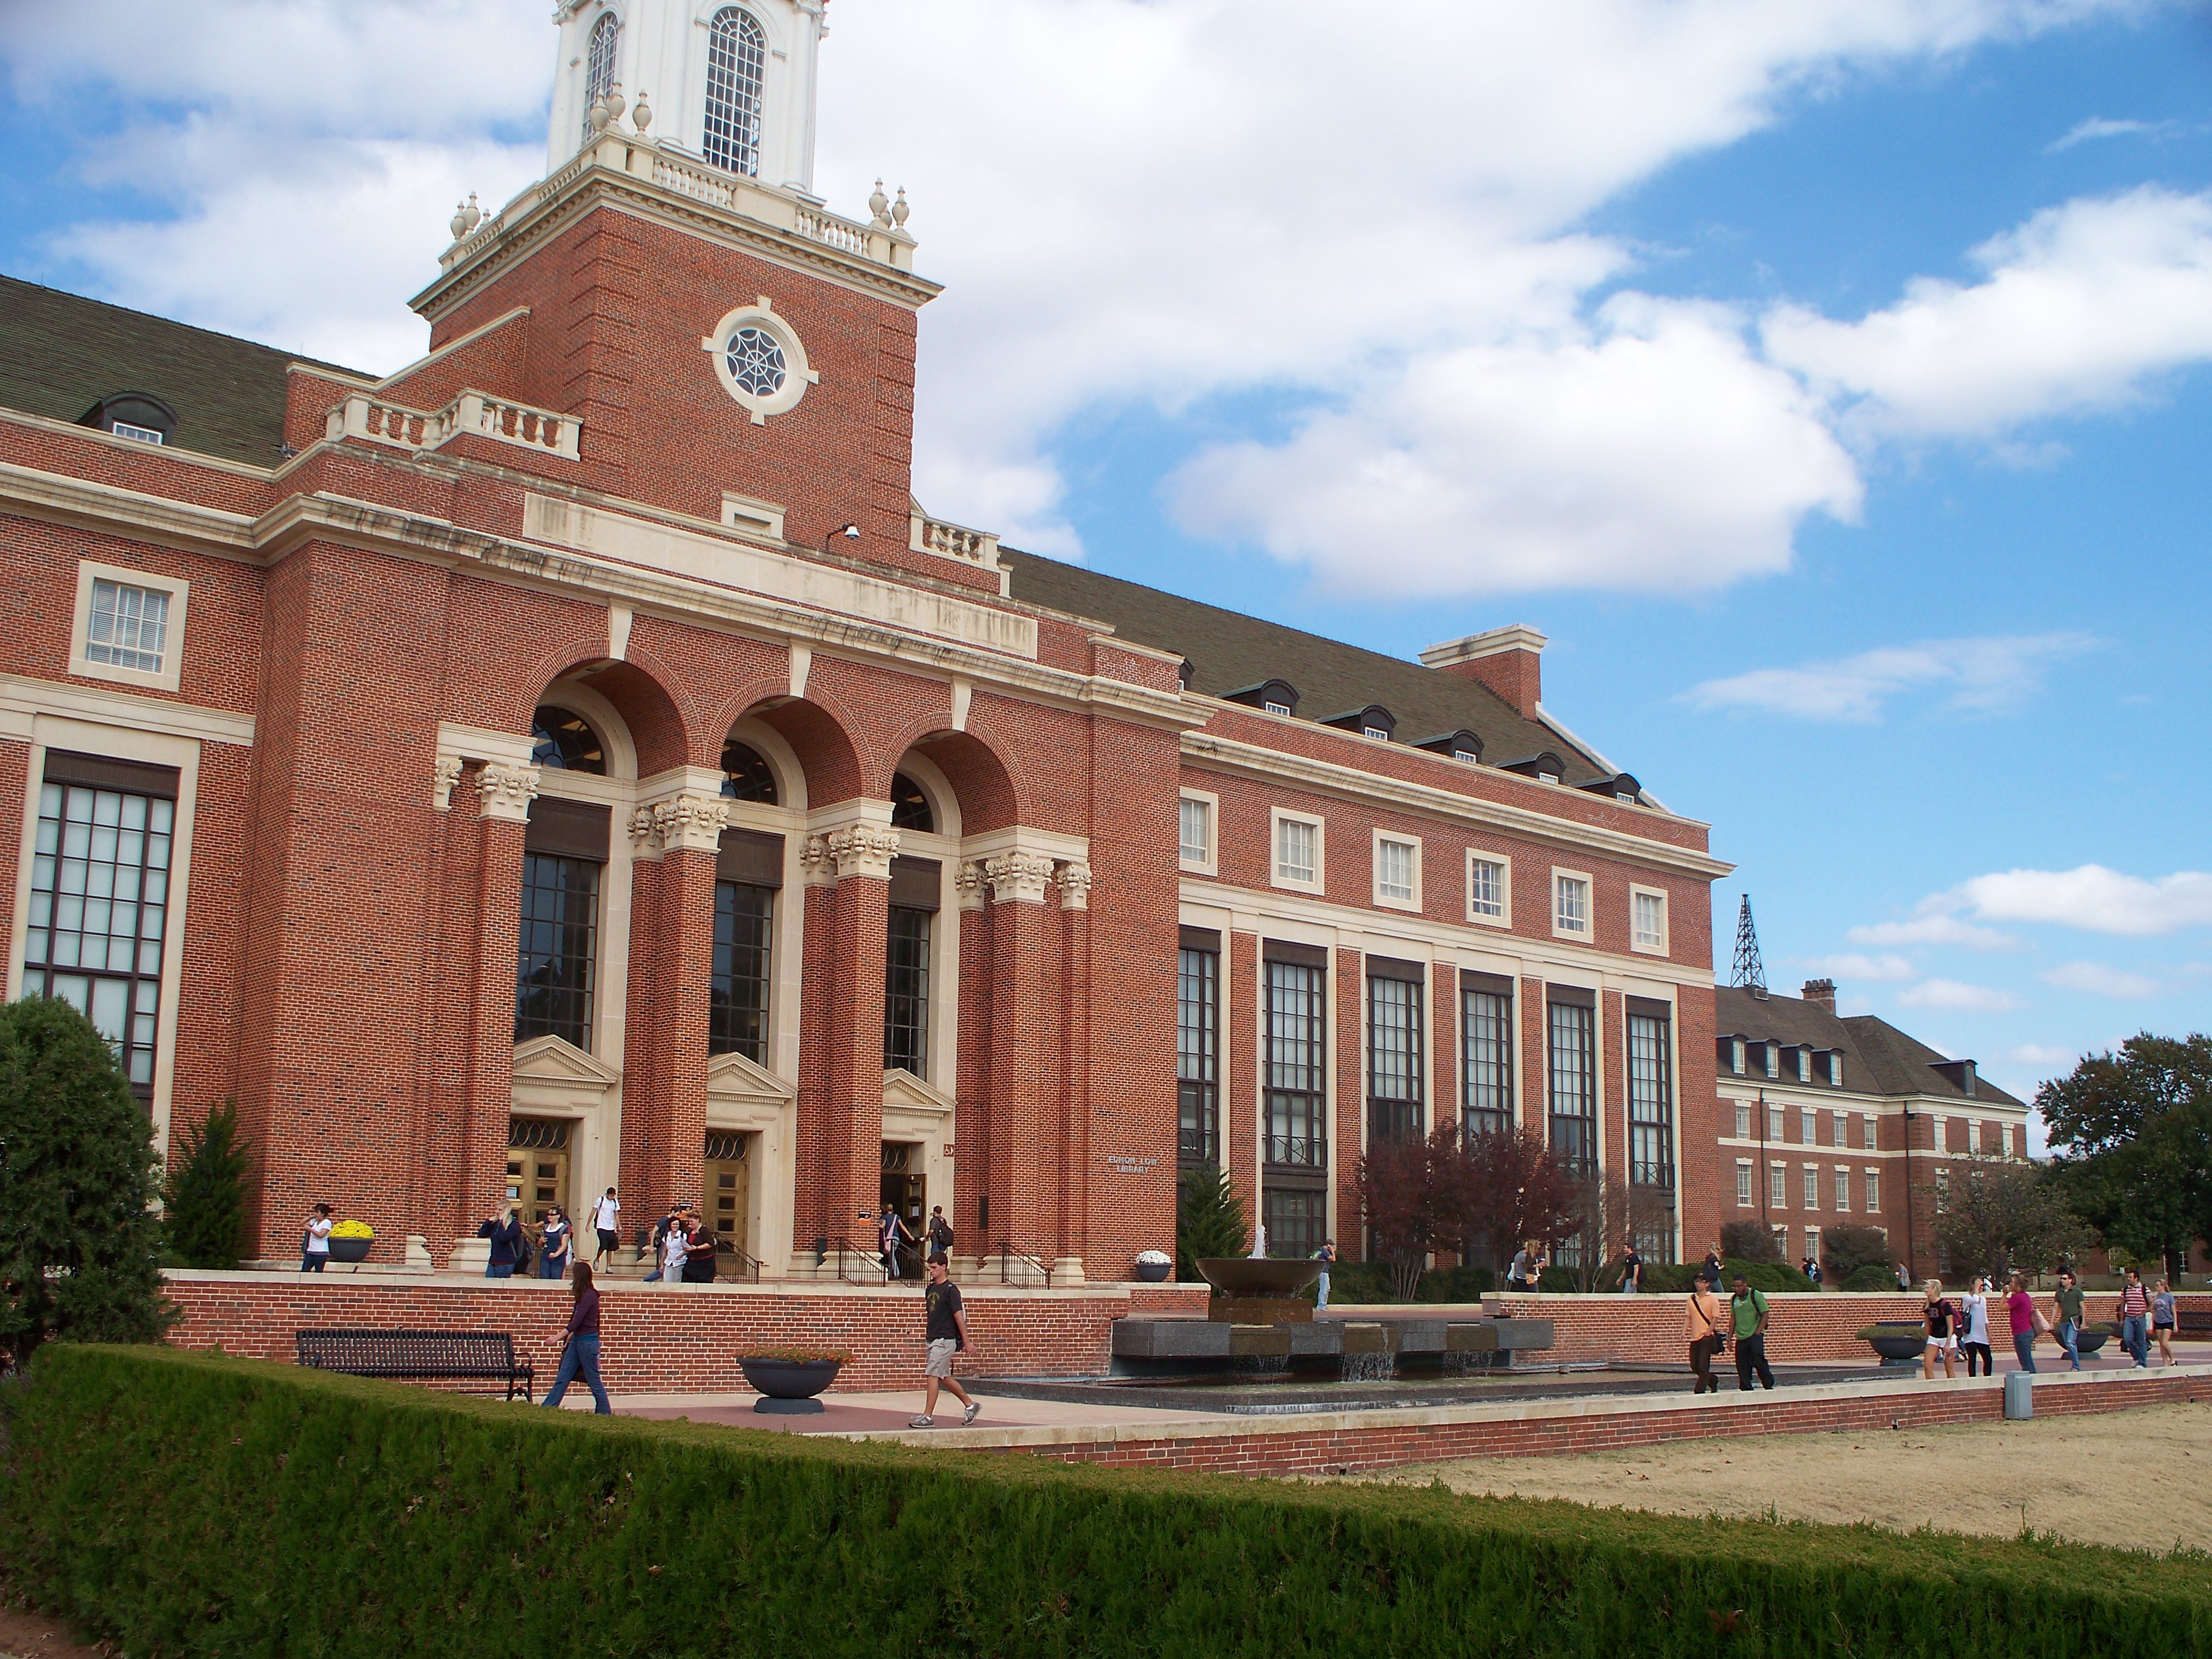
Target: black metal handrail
point(1310, 1152)
point(1008, 1255)
point(748, 1268)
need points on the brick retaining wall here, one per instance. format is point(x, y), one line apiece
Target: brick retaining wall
point(659, 1341)
point(1350, 1442)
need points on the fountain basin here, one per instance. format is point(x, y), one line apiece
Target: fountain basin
point(1240, 1276)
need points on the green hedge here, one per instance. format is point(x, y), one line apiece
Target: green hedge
point(189, 1505)
point(1771, 1276)
point(1357, 1282)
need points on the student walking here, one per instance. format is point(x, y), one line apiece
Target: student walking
point(1707, 1336)
point(699, 1246)
point(672, 1222)
point(1710, 1273)
point(607, 1222)
point(890, 1233)
point(940, 1233)
point(2070, 1317)
point(315, 1242)
point(556, 1241)
point(2019, 1310)
point(2135, 1320)
point(504, 1229)
point(1528, 1269)
point(1940, 1318)
point(1975, 1310)
point(1326, 1256)
point(675, 1249)
point(580, 1357)
point(2161, 1321)
point(945, 1333)
point(1632, 1270)
point(1747, 1310)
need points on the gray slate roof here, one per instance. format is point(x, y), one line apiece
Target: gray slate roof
point(1229, 652)
point(61, 353)
point(1878, 1058)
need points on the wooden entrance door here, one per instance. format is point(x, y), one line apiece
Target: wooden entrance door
point(537, 1165)
point(902, 1189)
point(728, 1180)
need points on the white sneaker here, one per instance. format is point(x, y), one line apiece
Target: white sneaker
point(922, 1422)
point(969, 1416)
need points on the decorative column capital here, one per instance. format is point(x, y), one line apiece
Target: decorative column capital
point(444, 772)
point(968, 883)
point(1073, 879)
point(690, 823)
point(504, 793)
point(862, 849)
point(1019, 878)
point(644, 838)
point(816, 867)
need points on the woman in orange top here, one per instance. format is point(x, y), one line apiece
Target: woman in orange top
point(1707, 1323)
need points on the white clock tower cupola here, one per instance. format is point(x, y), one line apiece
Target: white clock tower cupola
point(730, 82)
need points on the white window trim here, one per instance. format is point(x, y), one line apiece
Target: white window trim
point(1811, 1181)
point(1842, 1188)
point(1743, 1184)
point(1870, 1196)
point(1590, 901)
point(173, 650)
point(1666, 924)
point(1778, 1185)
point(1738, 1058)
point(1504, 918)
point(1277, 816)
point(1401, 840)
point(1210, 864)
point(797, 375)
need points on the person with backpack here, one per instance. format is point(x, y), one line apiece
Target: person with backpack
point(1710, 1272)
point(1939, 1317)
point(940, 1233)
point(1748, 1313)
point(1708, 1336)
point(890, 1233)
point(607, 1222)
point(1812, 1270)
point(2135, 1320)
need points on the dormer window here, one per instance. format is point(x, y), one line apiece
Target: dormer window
point(1737, 1062)
point(1376, 733)
point(1773, 1055)
point(1546, 767)
point(144, 435)
point(1271, 696)
point(1282, 709)
point(1374, 722)
point(138, 416)
point(1836, 1074)
point(1462, 746)
point(1467, 757)
point(1804, 1066)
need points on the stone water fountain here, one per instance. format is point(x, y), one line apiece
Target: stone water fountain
point(1258, 1321)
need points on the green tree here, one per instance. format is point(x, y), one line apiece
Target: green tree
point(1997, 1219)
point(2131, 1139)
point(80, 1254)
point(203, 1198)
point(1209, 1219)
point(1844, 1250)
point(1748, 1240)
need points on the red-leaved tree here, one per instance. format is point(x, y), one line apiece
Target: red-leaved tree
point(1408, 1195)
point(1510, 1189)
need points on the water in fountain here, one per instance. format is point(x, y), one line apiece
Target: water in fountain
point(1266, 1364)
point(1463, 1364)
point(1367, 1368)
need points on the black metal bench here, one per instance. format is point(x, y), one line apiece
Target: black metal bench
point(2192, 1321)
point(418, 1356)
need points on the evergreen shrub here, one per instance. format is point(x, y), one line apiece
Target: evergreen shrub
point(189, 1504)
point(203, 1197)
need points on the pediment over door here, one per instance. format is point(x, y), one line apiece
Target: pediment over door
point(555, 1061)
point(905, 1091)
point(732, 1077)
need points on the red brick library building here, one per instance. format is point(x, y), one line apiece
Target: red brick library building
point(576, 760)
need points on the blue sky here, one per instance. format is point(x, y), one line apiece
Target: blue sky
point(1824, 379)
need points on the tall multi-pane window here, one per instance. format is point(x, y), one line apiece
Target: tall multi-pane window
point(554, 974)
point(1574, 1085)
point(1807, 1126)
point(598, 65)
point(1394, 871)
point(737, 1006)
point(1296, 1220)
point(906, 992)
point(1650, 921)
point(1486, 1059)
point(1198, 1055)
point(1743, 1183)
point(1843, 1189)
point(1812, 1185)
point(100, 899)
point(1778, 1185)
point(1874, 1191)
point(1651, 1101)
point(128, 627)
point(1296, 843)
point(1394, 1059)
point(737, 60)
point(1296, 1130)
point(1197, 831)
point(1486, 888)
point(1872, 1133)
point(1570, 904)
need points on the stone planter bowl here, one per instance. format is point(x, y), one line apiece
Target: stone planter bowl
point(2090, 1338)
point(1153, 1273)
point(350, 1250)
point(1899, 1344)
point(788, 1386)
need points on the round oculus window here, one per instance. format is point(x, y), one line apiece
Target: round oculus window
point(756, 361)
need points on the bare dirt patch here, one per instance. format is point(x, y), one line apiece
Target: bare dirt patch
point(2134, 1479)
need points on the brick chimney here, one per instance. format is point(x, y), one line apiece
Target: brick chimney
point(1821, 993)
point(1508, 661)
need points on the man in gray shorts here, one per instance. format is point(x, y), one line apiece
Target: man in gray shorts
point(945, 1329)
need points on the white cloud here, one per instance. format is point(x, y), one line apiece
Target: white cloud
point(2090, 897)
point(1929, 928)
point(1983, 675)
point(2098, 126)
point(2098, 980)
point(2044, 1056)
point(1150, 204)
point(1953, 995)
point(1878, 968)
point(2082, 305)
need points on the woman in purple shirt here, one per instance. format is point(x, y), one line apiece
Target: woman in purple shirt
point(582, 1355)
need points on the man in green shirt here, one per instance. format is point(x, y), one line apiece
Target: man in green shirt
point(2069, 1317)
point(1748, 1311)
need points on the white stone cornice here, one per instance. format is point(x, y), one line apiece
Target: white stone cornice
point(479, 743)
point(1218, 754)
point(1051, 844)
point(22, 699)
point(1073, 880)
point(504, 793)
point(1017, 878)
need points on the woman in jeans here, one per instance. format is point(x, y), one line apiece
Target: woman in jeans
point(1975, 1337)
point(2020, 1309)
point(581, 1358)
point(555, 1241)
point(1708, 1321)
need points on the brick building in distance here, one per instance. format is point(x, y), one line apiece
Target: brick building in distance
point(575, 760)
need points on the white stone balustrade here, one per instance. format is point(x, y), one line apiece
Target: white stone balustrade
point(641, 158)
point(976, 547)
point(376, 420)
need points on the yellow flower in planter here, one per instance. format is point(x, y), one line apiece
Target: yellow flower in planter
point(353, 1229)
